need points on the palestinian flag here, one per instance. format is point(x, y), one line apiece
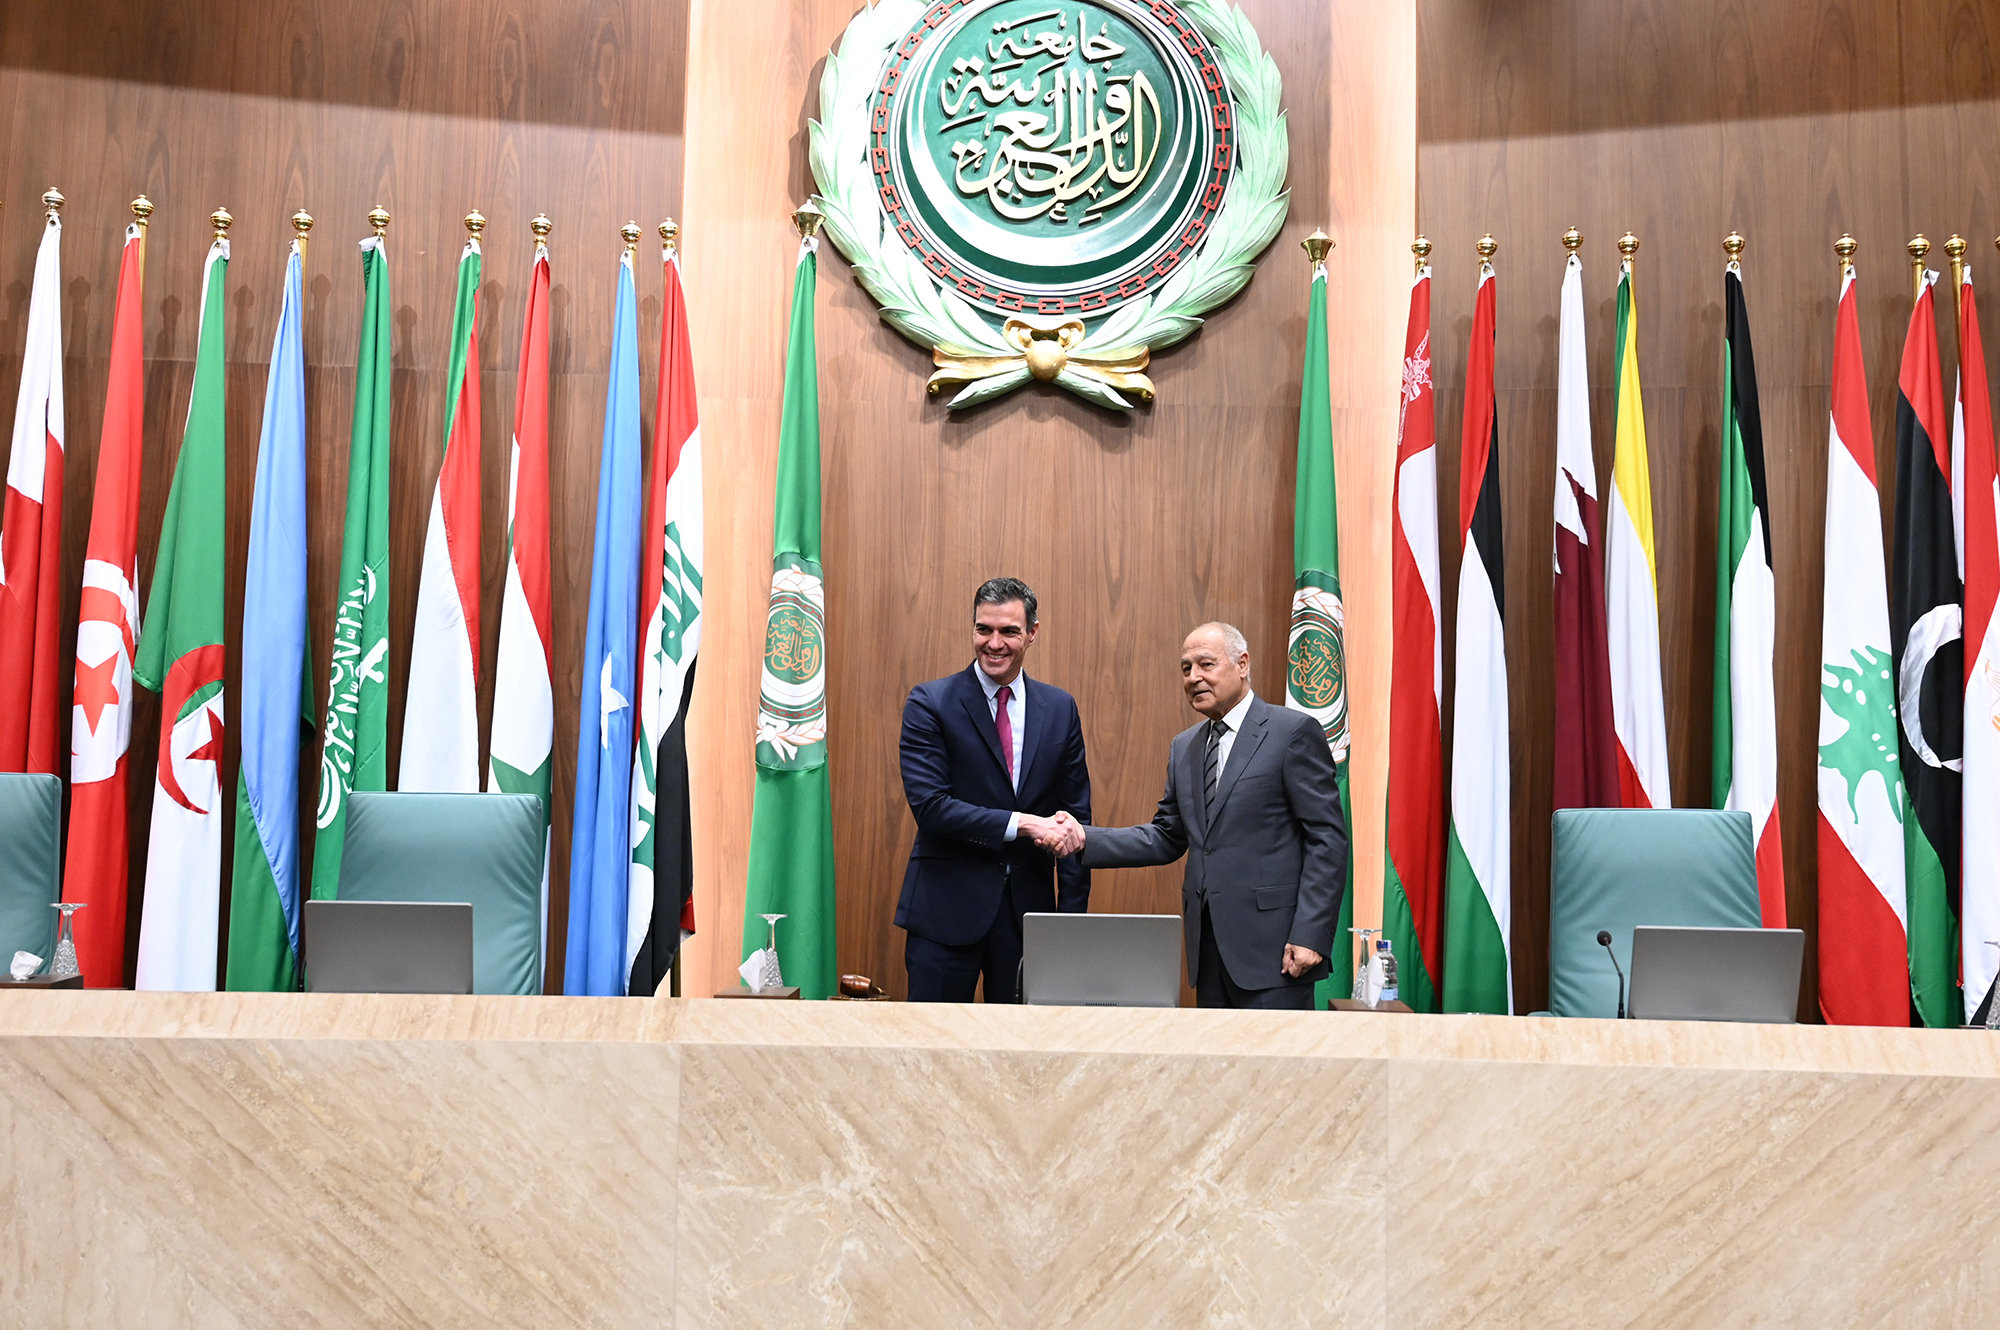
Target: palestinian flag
point(441, 707)
point(180, 657)
point(1478, 973)
point(1864, 970)
point(1926, 639)
point(660, 908)
point(97, 863)
point(1980, 910)
point(1631, 584)
point(1745, 771)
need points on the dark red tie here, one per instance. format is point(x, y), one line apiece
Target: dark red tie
point(1005, 724)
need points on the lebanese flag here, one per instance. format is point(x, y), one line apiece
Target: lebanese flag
point(1631, 584)
point(98, 858)
point(441, 707)
point(1864, 970)
point(1586, 753)
point(1979, 910)
point(31, 531)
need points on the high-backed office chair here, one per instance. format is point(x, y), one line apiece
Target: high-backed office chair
point(1618, 868)
point(30, 863)
point(481, 848)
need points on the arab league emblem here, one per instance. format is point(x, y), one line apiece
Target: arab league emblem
point(1049, 192)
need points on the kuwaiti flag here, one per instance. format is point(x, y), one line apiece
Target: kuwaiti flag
point(1631, 584)
point(600, 861)
point(1864, 971)
point(31, 531)
point(441, 707)
point(661, 905)
point(1980, 897)
point(97, 862)
point(523, 744)
point(1586, 748)
point(1478, 968)
point(1745, 761)
point(1416, 827)
point(1926, 623)
point(264, 895)
point(180, 657)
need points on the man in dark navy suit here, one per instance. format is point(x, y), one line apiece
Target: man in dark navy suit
point(989, 758)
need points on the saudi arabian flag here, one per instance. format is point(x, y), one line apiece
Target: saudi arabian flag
point(791, 825)
point(1317, 678)
point(355, 756)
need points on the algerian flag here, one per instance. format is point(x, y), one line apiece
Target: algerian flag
point(791, 823)
point(355, 752)
point(1631, 583)
point(180, 657)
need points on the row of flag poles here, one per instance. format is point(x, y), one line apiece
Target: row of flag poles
point(631, 884)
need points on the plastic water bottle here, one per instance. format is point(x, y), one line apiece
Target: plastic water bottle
point(1387, 957)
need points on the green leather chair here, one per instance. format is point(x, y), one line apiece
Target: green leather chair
point(485, 849)
point(1618, 868)
point(30, 864)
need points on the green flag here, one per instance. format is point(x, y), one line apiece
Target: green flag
point(791, 824)
point(355, 756)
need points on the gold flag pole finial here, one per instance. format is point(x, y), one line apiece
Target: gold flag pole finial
point(630, 231)
point(807, 219)
point(378, 218)
point(1421, 248)
point(1317, 246)
point(142, 211)
point(1918, 248)
point(53, 200)
point(1956, 247)
point(1732, 245)
point(670, 236)
point(1845, 247)
point(1572, 240)
point(1487, 248)
point(221, 221)
point(302, 224)
point(475, 222)
point(1628, 245)
point(541, 226)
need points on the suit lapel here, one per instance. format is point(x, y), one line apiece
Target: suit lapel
point(1196, 797)
point(973, 698)
point(1034, 715)
point(1240, 752)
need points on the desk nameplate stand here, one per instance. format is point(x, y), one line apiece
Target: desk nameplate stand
point(41, 981)
point(1356, 1004)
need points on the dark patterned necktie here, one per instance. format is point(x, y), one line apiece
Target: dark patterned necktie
point(1211, 772)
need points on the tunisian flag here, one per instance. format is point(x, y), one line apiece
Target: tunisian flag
point(107, 632)
point(31, 531)
point(1980, 903)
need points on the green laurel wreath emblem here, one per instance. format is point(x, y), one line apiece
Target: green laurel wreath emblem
point(991, 356)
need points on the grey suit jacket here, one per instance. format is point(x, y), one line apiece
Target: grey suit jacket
point(1270, 859)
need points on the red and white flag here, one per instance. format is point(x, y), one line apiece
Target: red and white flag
point(1979, 915)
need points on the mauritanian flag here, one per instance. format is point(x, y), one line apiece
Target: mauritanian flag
point(523, 745)
point(31, 531)
point(97, 863)
point(1926, 626)
point(354, 754)
point(1631, 584)
point(1586, 748)
point(1746, 710)
point(1416, 829)
point(1864, 971)
point(791, 822)
point(1980, 900)
point(264, 894)
point(661, 905)
point(441, 707)
point(1478, 970)
point(180, 657)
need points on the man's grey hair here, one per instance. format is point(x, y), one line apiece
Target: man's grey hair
point(1232, 636)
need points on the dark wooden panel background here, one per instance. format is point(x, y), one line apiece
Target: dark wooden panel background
point(1791, 121)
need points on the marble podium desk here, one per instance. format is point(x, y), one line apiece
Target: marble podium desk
point(243, 1160)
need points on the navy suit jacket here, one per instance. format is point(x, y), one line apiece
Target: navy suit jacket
point(959, 792)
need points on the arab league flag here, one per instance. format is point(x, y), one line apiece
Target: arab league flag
point(791, 822)
point(354, 752)
point(441, 707)
point(1316, 677)
point(523, 745)
point(1926, 640)
point(97, 862)
point(1631, 584)
point(277, 690)
point(31, 531)
point(1745, 761)
point(180, 657)
point(1980, 907)
point(600, 859)
point(1478, 969)
point(1864, 971)
point(661, 905)
point(1415, 828)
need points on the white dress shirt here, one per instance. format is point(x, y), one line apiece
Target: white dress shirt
point(1017, 717)
point(1233, 725)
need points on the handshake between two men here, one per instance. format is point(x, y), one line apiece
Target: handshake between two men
point(1061, 835)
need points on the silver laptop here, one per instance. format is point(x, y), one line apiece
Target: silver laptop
point(388, 947)
point(1101, 960)
point(1717, 974)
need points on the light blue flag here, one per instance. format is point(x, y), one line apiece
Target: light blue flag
point(601, 843)
point(277, 689)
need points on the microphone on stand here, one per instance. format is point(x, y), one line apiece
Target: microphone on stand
point(1604, 941)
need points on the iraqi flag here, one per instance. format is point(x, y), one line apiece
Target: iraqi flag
point(31, 530)
point(1478, 969)
point(660, 908)
point(1980, 897)
point(441, 707)
point(1864, 970)
point(1745, 770)
point(1926, 639)
point(180, 657)
point(1631, 583)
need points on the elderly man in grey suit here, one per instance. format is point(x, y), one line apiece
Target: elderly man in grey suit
point(1252, 802)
